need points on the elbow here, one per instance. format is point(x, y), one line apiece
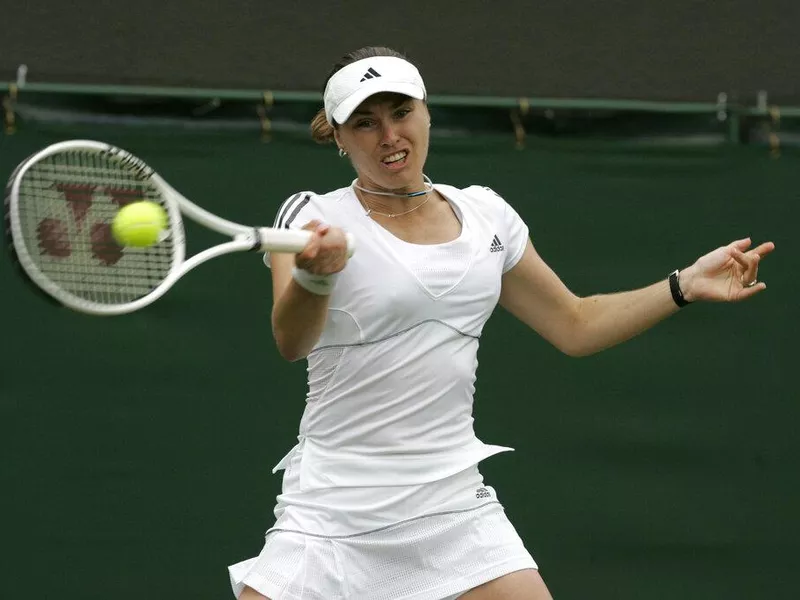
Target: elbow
point(581, 343)
point(571, 346)
point(576, 341)
point(294, 342)
point(570, 351)
point(290, 354)
point(289, 345)
point(288, 348)
point(578, 350)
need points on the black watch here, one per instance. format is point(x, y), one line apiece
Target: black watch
point(675, 288)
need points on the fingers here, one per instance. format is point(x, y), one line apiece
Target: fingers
point(742, 244)
point(746, 260)
point(312, 225)
point(749, 292)
point(748, 266)
point(326, 250)
point(748, 263)
point(763, 249)
point(309, 253)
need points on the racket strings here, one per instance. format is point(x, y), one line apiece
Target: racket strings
point(66, 205)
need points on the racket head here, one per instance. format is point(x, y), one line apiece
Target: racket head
point(59, 205)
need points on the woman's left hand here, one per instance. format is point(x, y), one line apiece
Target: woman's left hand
point(727, 274)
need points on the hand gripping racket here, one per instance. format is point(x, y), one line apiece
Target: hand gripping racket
point(59, 206)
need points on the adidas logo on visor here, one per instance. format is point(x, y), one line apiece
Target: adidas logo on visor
point(370, 74)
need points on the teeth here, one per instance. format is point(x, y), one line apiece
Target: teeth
point(395, 157)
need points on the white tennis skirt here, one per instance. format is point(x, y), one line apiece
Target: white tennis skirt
point(434, 557)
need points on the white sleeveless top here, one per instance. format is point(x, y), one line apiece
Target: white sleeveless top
point(391, 379)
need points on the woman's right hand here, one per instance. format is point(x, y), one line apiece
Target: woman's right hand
point(325, 252)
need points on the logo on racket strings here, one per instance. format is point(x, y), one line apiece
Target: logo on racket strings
point(56, 239)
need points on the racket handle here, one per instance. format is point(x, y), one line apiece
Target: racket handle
point(293, 241)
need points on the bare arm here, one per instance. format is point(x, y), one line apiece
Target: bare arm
point(298, 315)
point(581, 326)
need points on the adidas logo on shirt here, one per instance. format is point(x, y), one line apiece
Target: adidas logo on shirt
point(482, 493)
point(497, 245)
point(370, 74)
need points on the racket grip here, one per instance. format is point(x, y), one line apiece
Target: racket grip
point(293, 241)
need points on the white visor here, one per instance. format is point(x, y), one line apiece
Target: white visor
point(356, 82)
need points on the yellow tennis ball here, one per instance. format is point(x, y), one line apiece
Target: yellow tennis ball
point(139, 224)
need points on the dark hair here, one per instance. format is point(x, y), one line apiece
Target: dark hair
point(321, 130)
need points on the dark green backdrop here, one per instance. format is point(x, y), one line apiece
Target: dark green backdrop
point(623, 49)
point(135, 452)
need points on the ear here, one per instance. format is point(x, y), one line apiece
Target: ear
point(427, 110)
point(336, 137)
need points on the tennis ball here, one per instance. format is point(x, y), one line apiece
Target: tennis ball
point(139, 224)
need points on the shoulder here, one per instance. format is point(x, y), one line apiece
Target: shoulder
point(480, 197)
point(308, 204)
point(479, 194)
point(488, 203)
point(485, 194)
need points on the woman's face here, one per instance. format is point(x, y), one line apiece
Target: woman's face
point(387, 138)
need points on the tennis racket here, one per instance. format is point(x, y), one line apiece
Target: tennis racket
point(59, 206)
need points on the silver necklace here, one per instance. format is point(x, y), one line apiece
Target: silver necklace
point(426, 192)
point(427, 183)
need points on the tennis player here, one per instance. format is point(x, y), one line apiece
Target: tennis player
point(382, 496)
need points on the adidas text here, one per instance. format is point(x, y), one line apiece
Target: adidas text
point(497, 245)
point(482, 493)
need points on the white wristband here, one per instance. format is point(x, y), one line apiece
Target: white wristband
point(321, 285)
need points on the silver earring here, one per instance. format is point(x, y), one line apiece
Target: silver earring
point(342, 153)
